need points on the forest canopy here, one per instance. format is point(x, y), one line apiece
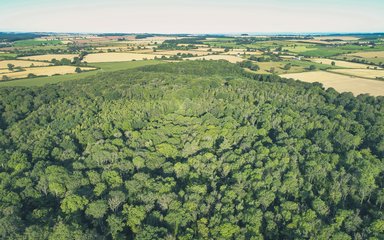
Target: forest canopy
point(191, 150)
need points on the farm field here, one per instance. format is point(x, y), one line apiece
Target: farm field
point(340, 82)
point(49, 57)
point(22, 63)
point(373, 54)
point(103, 67)
point(117, 57)
point(364, 73)
point(229, 58)
point(338, 63)
point(36, 42)
point(4, 55)
point(44, 71)
point(296, 66)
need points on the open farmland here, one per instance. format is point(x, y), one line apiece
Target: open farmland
point(22, 63)
point(117, 57)
point(339, 63)
point(44, 71)
point(229, 58)
point(364, 73)
point(49, 57)
point(341, 83)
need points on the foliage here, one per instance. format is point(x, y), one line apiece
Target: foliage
point(190, 150)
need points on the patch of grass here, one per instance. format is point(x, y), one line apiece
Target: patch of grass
point(104, 67)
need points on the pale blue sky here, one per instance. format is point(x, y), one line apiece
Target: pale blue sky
point(197, 16)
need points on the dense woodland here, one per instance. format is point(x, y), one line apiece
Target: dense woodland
point(192, 150)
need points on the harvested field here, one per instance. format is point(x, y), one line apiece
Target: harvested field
point(339, 63)
point(49, 57)
point(341, 83)
point(365, 73)
point(229, 58)
point(208, 49)
point(117, 57)
point(22, 63)
point(378, 54)
point(4, 70)
point(118, 48)
point(44, 71)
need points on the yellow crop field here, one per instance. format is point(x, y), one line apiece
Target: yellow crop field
point(208, 49)
point(365, 73)
point(340, 82)
point(229, 58)
point(43, 71)
point(377, 54)
point(339, 63)
point(117, 57)
point(49, 57)
point(22, 63)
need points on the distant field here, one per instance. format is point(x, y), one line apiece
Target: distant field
point(341, 83)
point(229, 58)
point(324, 52)
point(117, 57)
point(242, 52)
point(365, 73)
point(35, 42)
point(339, 63)
point(208, 49)
point(40, 71)
point(299, 49)
point(343, 38)
point(104, 67)
point(49, 57)
point(22, 63)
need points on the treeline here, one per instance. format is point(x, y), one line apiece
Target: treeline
point(11, 37)
point(189, 42)
point(190, 150)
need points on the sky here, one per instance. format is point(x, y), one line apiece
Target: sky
point(192, 16)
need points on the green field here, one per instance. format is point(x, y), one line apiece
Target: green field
point(4, 56)
point(297, 66)
point(34, 42)
point(103, 67)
